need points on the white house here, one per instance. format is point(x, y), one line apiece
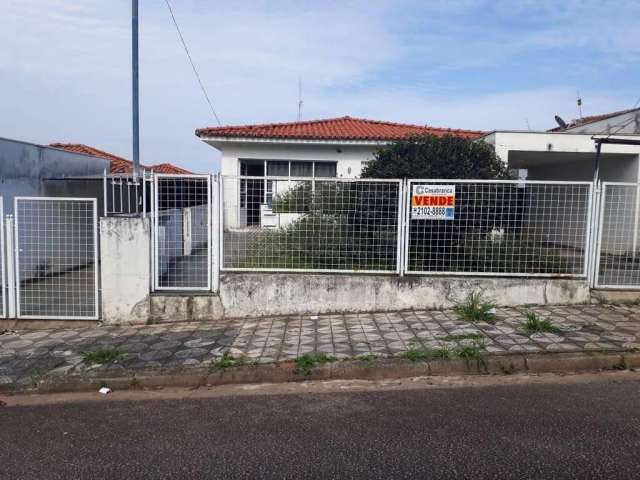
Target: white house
point(335, 147)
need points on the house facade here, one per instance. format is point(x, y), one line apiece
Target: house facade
point(317, 149)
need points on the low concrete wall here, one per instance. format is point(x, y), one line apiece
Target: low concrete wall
point(124, 256)
point(257, 295)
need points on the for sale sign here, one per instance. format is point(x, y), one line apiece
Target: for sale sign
point(433, 202)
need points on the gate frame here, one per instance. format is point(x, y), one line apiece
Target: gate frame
point(3, 259)
point(155, 249)
point(588, 236)
point(598, 243)
point(96, 259)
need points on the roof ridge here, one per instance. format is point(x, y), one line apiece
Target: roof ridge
point(321, 121)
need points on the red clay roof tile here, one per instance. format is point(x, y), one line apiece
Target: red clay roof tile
point(343, 128)
point(118, 164)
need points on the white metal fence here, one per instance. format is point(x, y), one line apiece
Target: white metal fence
point(126, 195)
point(56, 258)
point(182, 232)
point(311, 224)
point(497, 228)
point(3, 262)
point(617, 262)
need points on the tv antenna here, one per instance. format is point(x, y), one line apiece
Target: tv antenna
point(299, 99)
point(579, 102)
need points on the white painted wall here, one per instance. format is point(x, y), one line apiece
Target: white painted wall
point(124, 251)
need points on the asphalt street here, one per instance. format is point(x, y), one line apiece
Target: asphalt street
point(587, 430)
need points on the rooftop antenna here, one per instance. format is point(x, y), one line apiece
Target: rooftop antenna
point(579, 101)
point(528, 125)
point(299, 99)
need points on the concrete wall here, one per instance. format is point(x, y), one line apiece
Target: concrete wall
point(25, 167)
point(282, 294)
point(125, 277)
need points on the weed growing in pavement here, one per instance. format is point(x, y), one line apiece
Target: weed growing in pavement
point(476, 351)
point(227, 360)
point(367, 358)
point(535, 324)
point(415, 354)
point(462, 336)
point(102, 356)
point(305, 363)
point(476, 308)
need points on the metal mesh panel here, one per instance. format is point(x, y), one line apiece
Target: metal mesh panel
point(56, 258)
point(3, 265)
point(498, 228)
point(283, 223)
point(619, 255)
point(182, 232)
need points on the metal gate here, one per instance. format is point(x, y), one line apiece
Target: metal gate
point(617, 262)
point(182, 217)
point(56, 258)
point(3, 263)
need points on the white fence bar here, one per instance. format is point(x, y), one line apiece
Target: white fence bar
point(11, 272)
point(498, 228)
point(307, 224)
point(3, 261)
point(56, 258)
point(617, 260)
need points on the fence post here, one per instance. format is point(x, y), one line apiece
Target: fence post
point(11, 271)
point(596, 233)
point(215, 232)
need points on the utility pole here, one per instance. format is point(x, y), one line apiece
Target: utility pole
point(135, 97)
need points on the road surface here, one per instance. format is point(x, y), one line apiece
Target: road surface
point(558, 429)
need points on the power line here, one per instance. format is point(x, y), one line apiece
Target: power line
point(195, 70)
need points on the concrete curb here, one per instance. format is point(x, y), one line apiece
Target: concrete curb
point(377, 369)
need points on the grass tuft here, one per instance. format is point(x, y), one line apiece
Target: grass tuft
point(305, 363)
point(227, 360)
point(476, 308)
point(535, 324)
point(416, 354)
point(102, 356)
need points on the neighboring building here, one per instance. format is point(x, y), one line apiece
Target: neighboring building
point(118, 164)
point(335, 147)
point(624, 122)
point(29, 169)
point(568, 153)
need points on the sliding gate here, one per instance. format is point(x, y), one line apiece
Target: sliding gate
point(182, 217)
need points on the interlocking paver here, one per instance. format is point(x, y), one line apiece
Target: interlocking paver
point(24, 354)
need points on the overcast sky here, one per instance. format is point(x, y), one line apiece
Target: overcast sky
point(65, 66)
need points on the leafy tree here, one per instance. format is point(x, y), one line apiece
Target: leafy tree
point(428, 156)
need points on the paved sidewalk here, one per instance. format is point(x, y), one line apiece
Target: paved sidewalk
point(26, 357)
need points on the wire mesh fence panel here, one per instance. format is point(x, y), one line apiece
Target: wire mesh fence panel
point(512, 228)
point(182, 232)
point(302, 224)
point(56, 258)
point(3, 263)
point(618, 261)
